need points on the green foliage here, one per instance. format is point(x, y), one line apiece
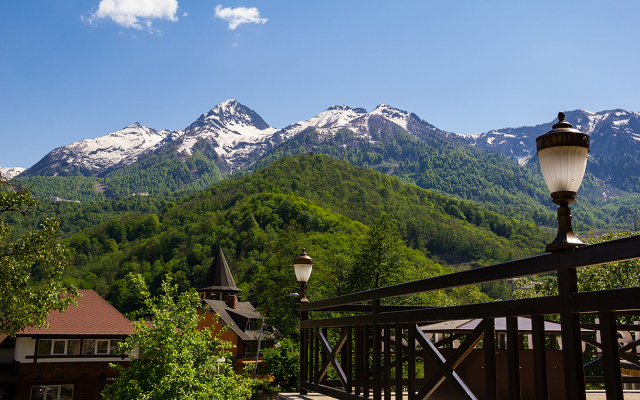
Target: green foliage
point(379, 260)
point(66, 187)
point(161, 171)
point(282, 362)
point(31, 266)
point(446, 166)
point(74, 217)
point(264, 219)
point(600, 277)
point(174, 360)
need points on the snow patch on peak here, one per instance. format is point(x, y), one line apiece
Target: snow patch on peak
point(235, 129)
point(396, 116)
point(11, 172)
point(524, 160)
point(98, 154)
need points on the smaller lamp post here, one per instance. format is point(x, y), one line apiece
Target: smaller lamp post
point(563, 159)
point(302, 266)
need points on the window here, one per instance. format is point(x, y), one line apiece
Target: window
point(44, 347)
point(73, 346)
point(60, 347)
point(103, 347)
point(52, 392)
point(89, 346)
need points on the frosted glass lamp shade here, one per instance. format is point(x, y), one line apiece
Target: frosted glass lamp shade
point(302, 266)
point(303, 272)
point(563, 167)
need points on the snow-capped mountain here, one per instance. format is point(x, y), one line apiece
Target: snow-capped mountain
point(92, 157)
point(612, 132)
point(239, 136)
point(361, 122)
point(10, 172)
point(236, 132)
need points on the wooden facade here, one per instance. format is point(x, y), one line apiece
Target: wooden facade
point(69, 359)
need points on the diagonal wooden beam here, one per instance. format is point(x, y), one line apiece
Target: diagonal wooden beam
point(331, 358)
point(629, 346)
point(446, 366)
point(626, 356)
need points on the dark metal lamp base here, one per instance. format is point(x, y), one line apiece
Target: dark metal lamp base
point(566, 239)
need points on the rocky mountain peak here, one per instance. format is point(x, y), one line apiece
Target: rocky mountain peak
point(234, 113)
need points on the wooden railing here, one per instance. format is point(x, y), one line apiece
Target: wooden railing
point(369, 350)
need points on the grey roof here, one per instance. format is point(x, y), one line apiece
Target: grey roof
point(524, 325)
point(219, 277)
point(238, 318)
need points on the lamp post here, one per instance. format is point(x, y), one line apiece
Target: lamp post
point(302, 266)
point(255, 367)
point(563, 159)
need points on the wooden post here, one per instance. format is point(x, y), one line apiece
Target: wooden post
point(539, 357)
point(571, 338)
point(489, 344)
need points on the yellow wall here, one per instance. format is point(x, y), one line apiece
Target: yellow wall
point(210, 322)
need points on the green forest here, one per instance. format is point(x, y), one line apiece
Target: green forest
point(159, 172)
point(439, 164)
point(262, 220)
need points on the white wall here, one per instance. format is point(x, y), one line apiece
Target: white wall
point(25, 346)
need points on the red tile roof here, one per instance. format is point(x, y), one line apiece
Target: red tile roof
point(93, 316)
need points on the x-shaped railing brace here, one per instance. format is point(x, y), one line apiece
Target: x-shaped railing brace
point(331, 356)
point(446, 366)
point(622, 351)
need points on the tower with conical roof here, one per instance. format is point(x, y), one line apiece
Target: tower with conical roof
point(219, 283)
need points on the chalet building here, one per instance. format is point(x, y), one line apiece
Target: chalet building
point(69, 359)
point(220, 293)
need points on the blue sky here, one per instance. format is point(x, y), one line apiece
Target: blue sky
point(77, 69)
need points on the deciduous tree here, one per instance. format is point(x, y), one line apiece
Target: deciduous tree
point(31, 266)
point(170, 358)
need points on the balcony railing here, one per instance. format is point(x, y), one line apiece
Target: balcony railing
point(379, 351)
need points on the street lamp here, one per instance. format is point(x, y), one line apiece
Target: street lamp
point(302, 266)
point(563, 159)
point(255, 367)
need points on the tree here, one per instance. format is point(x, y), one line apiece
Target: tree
point(379, 260)
point(283, 364)
point(174, 360)
point(599, 277)
point(31, 266)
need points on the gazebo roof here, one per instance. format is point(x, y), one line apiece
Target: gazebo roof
point(219, 278)
point(468, 325)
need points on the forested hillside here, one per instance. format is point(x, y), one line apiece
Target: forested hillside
point(160, 171)
point(452, 168)
point(262, 220)
point(438, 163)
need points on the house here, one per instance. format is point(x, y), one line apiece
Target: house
point(219, 293)
point(69, 359)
